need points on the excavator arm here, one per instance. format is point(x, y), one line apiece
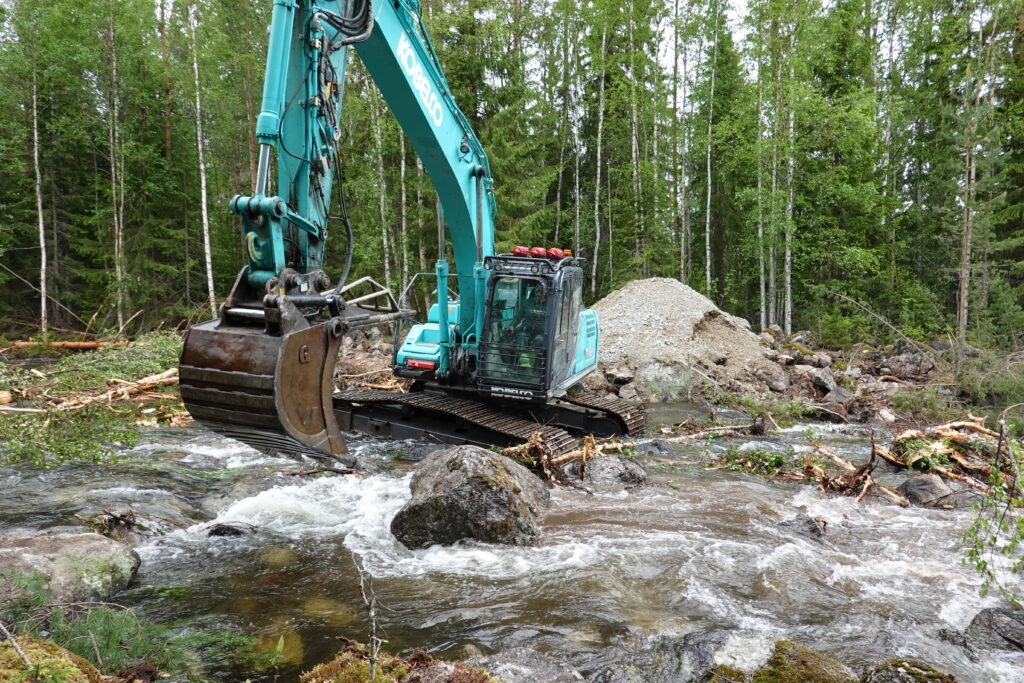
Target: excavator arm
point(262, 372)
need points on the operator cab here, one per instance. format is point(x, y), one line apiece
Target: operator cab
point(537, 339)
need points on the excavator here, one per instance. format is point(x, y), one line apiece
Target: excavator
point(505, 344)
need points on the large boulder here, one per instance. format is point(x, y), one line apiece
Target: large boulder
point(998, 628)
point(526, 665)
point(667, 659)
point(924, 489)
point(470, 492)
point(75, 566)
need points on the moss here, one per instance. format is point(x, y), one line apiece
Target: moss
point(725, 674)
point(792, 663)
point(905, 670)
point(352, 665)
point(800, 348)
point(52, 663)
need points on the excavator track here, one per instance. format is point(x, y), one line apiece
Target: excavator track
point(557, 439)
point(629, 415)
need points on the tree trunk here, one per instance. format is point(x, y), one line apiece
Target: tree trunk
point(707, 204)
point(634, 144)
point(762, 312)
point(168, 101)
point(677, 224)
point(597, 181)
point(200, 145)
point(788, 261)
point(382, 191)
point(43, 323)
point(113, 137)
point(966, 235)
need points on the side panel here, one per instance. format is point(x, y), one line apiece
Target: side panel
point(587, 342)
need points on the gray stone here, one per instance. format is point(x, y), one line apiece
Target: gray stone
point(767, 337)
point(838, 396)
point(804, 525)
point(998, 628)
point(822, 360)
point(526, 665)
point(470, 492)
point(922, 489)
point(853, 373)
point(76, 566)
point(774, 378)
point(803, 337)
point(823, 379)
point(620, 374)
point(419, 452)
point(783, 359)
point(654, 447)
point(628, 392)
point(608, 472)
point(904, 671)
point(804, 369)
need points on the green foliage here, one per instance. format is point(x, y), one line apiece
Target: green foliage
point(760, 462)
point(994, 540)
point(993, 380)
point(925, 403)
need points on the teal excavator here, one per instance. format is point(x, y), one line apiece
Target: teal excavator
point(504, 347)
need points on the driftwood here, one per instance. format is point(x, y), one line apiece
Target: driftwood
point(856, 481)
point(961, 450)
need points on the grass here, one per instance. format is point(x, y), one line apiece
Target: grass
point(92, 433)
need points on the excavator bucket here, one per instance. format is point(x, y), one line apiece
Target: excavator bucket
point(270, 392)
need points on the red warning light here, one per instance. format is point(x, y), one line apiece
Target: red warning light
point(538, 252)
point(520, 251)
point(556, 254)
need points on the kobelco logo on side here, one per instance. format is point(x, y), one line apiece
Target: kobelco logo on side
point(414, 70)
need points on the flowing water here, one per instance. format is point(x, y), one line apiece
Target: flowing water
point(697, 549)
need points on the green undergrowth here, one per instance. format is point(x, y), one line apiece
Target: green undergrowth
point(94, 432)
point(786, 411)
point(763, 463)
point(113, 638)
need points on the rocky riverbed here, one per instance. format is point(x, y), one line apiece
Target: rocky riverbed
point(613, 575)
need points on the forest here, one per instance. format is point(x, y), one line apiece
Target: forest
point(851, 167)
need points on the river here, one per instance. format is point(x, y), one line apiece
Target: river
point(695, 549)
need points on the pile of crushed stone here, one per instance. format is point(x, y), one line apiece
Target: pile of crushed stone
point(661, 339)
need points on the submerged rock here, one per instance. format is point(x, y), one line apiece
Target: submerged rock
point(526, 665)
point(668, 659)
point(608, 473)
point(804, 525)
point(905, 671)
point(470, 492)
point(75, 566)
point(922, 489)
point(792, 663)
point(998, 628)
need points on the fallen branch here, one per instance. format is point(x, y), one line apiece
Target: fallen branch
point(122, 391)
point(77, 345)
point(14, 644)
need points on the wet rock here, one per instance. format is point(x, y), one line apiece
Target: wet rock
point(73, 669)
point(922, 489)
point(470, 492)
point(419, 452)
point(792, 662)
point(232, 530)
point(904, 671)
point(668, 659)
point(998, 629)
point(774, 377)
point(526, 665)
point(76, 566)
point(628, 392)
point(608, 473)
point(803, 525)
point(960, 639)
point(654, 448)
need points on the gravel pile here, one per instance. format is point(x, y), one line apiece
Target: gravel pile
point(662, 339)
